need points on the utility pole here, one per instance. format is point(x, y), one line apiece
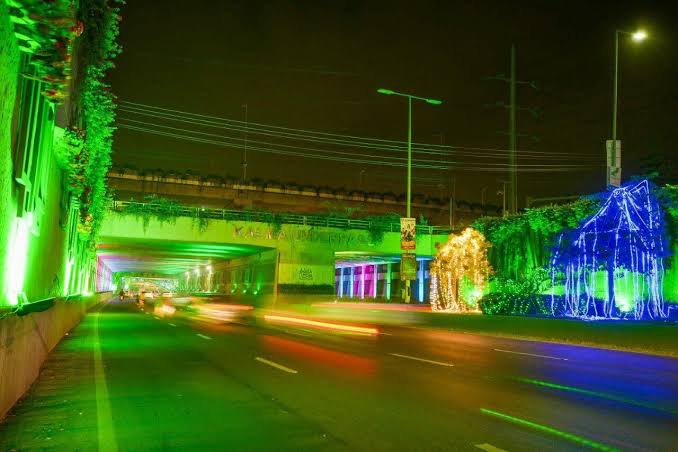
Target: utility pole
point(513, 109)
point(244, 156)
point(513, 159)
point(482, 196)
point(453, 201)
point(502, 192)
point(452, 189)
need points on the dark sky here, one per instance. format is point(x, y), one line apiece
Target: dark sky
point(316, 65)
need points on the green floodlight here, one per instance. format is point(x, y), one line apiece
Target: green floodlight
point(385, 91)
point(434, 101)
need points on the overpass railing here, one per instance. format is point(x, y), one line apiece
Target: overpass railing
point(270, 217)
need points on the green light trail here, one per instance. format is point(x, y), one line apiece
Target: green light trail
point(602, 395)
point(546, 429)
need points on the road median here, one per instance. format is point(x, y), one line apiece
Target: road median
point(650, 337)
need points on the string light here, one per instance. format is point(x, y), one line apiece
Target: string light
point(460, 263)
point(624, 240)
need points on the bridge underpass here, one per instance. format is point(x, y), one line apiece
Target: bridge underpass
point(263, 262)
point(126, 258)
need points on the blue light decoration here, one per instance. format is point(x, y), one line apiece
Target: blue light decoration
point(624, 241)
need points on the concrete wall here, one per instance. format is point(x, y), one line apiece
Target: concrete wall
point(9, 69)
point(306, 254)
point(25, 343)
point(33, 203)
point(310, 242)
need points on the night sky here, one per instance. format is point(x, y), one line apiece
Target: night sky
point(316, 65)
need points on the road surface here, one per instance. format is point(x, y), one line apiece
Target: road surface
point(132, 379)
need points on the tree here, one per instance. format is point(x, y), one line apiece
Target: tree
point(459, 272)
point(624, 240)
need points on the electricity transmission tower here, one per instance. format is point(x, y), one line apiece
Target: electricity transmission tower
point(513, 108)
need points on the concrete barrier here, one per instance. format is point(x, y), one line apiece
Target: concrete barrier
point(25, 343)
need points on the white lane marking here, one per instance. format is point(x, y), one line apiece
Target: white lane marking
point(489, 447)
point(171, 324)
point(529, 354)
point(422, 359)
point(276, 365)
point(385, 334)
point(204, 337)
point(106, 432)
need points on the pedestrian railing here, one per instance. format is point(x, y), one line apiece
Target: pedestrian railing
point(269, 217)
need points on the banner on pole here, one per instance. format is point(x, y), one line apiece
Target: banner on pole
point(408, 267)
point(408, 234)
point(613, 162)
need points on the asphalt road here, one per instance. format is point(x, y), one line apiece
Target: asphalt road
point(128, 379)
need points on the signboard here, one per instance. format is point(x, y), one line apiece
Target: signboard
point(613, 163)
point(408, 234)
point(408, 267)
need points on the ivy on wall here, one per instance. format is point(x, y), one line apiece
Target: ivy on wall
point(151, 206)
point(379, 225)
point(667, 197)
point(94, 112)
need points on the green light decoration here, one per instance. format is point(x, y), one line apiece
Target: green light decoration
point(15, 259)
point(459, 272)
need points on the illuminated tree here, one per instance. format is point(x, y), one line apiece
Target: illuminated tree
point(459, 272)
point(625, 241)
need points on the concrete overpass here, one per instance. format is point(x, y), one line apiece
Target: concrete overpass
point(212, 191)
point(243, 253)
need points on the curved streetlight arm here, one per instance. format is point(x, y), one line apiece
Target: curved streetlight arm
point(389, 92)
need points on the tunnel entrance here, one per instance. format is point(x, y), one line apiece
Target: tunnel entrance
point(189, 266)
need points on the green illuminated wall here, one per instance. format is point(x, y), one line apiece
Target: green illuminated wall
point(10, 57)
point(36, 230)
point(306, 255)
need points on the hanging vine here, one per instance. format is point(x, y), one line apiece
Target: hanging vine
point(94, 112)
point(522, 243)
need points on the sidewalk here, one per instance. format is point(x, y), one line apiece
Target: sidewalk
point(60, 409)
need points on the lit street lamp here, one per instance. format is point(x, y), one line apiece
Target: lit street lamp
point(637, 36)
point(409, 154)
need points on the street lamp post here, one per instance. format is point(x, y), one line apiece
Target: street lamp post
point(409, 97)
point(637, 36)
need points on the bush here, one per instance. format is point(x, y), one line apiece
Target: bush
point(303, 289)
point(500, 303)
point(517, 296)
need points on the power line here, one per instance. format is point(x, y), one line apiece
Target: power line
point(343, 157)
point(335, 142)
point(286, 132)
point(331, 151)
